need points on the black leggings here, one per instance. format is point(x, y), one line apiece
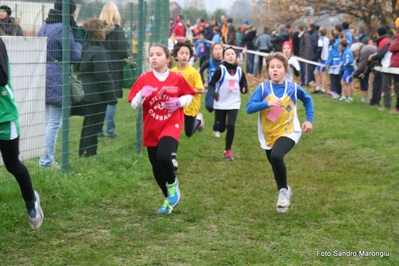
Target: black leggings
point(337, 82)
point(275, 156)
point(396, 87)
point(220, 124)
point(10, 151)
point(190, 125)
point(161, 162)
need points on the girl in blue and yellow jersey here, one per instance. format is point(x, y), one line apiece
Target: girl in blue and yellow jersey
point(9, 143)
point(278, 124)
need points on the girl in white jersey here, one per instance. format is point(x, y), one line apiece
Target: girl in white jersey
point(279, 129)
point(227, 82)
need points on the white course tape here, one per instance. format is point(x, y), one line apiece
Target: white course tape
point(389, 70)
point(296, 57)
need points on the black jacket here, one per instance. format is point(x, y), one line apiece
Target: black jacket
point(382, 49)
point(248, 37)
point(3, 64)
point(116, 46)
point(95, 74)
point(278, 40)
point(364, 39)
point(208, 32)
point(296, 42)
point(314, 35)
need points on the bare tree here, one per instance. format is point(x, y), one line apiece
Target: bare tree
point(372, 13)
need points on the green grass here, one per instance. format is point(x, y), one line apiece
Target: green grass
point(103, 212)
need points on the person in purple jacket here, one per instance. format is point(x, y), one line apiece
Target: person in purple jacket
point(52, 29)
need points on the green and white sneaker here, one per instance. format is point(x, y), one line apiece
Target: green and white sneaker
point(166, 208)
point(173, 193)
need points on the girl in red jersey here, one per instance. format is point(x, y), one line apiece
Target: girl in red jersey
point(162, 94)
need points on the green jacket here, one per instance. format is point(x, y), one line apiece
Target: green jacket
point(15, 29)
point(8, 107)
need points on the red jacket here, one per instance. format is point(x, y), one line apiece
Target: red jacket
point(178, 29)
point(394, 49)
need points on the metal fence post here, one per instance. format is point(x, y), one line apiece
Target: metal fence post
point(65, 85)
point(140, 44)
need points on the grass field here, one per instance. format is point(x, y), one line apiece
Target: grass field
point(344, 177)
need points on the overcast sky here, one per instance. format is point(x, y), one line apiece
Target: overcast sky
point(210, 5)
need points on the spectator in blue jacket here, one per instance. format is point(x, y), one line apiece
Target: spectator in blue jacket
point(202, 49)
point(52, 29)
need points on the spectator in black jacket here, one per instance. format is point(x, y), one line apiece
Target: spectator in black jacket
point(248, 37)
point(279, 37)
point(296, 42)
point(383, 42)
point(314, 35)
point(116, 46)
point(95, 74)
point(231, 32)
point(208, 31)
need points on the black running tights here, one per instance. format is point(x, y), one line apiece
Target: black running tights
point(160, 159)
point(10, 151)
point(275, 156)
point(220, 124)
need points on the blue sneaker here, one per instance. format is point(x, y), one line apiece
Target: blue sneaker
point(166, 208)
point(173, 193)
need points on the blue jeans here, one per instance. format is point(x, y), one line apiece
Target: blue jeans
point(109, 121)
point(250, 63)
point(53, 125)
